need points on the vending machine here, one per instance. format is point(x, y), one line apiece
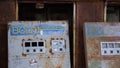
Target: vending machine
point(102, 44)
point(38, 44)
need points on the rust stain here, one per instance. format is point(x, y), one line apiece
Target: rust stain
point(48, 56)
point(93, 57)
point(41, 55)
point(22, 42)
point(61, 38)
point(24, 55)
point(51, 51)
point(50, 42)
point(49, 64)
point(52, 38)
point(63, 22)
point(65, 44)
point(110, 57)
point(57, 38)
point(29, 39)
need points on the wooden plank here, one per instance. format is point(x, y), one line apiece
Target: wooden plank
point(7, 11)
point(3, 46)
point(86, 12)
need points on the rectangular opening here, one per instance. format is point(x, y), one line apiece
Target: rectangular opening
point(34, 44)
point(44, 11)
point(40, 44)
point(27, 44)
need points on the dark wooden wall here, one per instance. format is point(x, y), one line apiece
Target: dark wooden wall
point(7, 13)
point(85, 12)
point(3, 46)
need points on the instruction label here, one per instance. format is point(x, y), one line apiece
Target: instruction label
point(39, 29)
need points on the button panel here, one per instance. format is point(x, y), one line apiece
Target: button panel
point(58, 46)
point(110, 48)
point(34, 47)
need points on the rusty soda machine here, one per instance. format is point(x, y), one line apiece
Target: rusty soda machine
point(102, 44)
point(38, 44)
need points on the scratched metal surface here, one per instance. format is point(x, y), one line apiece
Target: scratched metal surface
point(95, 33)
point(17, 58)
